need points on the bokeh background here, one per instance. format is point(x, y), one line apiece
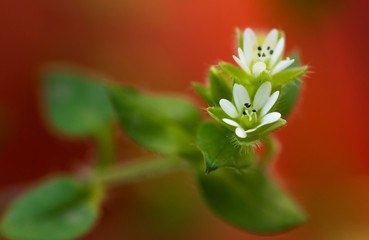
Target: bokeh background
point(163, 46)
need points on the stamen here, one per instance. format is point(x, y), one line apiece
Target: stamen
point(248, 114)
point(271, 52)
point(259, 55)
point(247, 105)
point(244, 112)
point(259, 48)
point(253, 110)
point(263, 55)
point(268, 47)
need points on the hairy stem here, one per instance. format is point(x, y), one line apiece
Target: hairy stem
point(138, 170)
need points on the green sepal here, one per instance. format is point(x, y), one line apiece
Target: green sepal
point(288, 75)
point(289, 92)
point(59, 209)
point(160, 123)
point(220, 88)
point(259, 132)
point(205, 93)
point(218, 114)
point(250, 200)
point(288, 98)
point(236, 74)
point(218, 147)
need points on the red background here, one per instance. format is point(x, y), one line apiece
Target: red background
point(162, 46)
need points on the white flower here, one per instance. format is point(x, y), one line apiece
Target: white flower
point(257, 57)
point(247, 115)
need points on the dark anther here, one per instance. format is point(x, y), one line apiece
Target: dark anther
point(259, 55)
point(247, 105)
point(268, 47)
point(263, 54)
point(271, 52)
point(244, 112)
point(259, 48)
point(253, 110)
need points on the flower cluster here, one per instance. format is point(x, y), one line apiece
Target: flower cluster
point(249, 105)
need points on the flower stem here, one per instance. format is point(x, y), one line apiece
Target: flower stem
point(137, 170)
point(104, 141)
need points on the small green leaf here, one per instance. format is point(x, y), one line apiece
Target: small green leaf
point(59, 209)
point(204, 93)
point(215, 142)
point(219, 86)
point(288, 98)
point(289, 91)
point(249, 200)
point(236, 74)
point(163, 124)
point(75, 105)
point(218, 114)
point(288, 75)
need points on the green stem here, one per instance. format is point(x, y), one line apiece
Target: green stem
point(270, 150)
point(105, 145)
point(138, 170)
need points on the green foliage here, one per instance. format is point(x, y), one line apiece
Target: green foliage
point(236, 74)
point(288, 98)
point(289, 91)
point(219, 87)
point(204, 93)
point(249, 200)
point(60, 209)
point(215, 142)
point(74, 104)
point(163, 124)
point(288, 75)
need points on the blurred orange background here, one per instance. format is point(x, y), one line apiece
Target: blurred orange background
point(163, 46)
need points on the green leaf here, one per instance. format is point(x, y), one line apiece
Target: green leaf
point(219, 86)
point(163, 124)
point(288, 75)
point(288, 98)
point(249, 200)
point(289, 91)
point(235, 73)
point(76, 105)
point(59, 209)
point(215, 143)
point(204, 93)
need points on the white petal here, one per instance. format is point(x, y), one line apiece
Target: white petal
point(240, 132)
point(269, 104)
point(277, 52)
point(241, 96)
point(250, 45)
point(242, 64)
point(270, 118)
point(250, 130)
point(258, 68)
point(230, 122)
point(262, 95)
point(271, 39)
point(282, 65)
point(228, 108)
